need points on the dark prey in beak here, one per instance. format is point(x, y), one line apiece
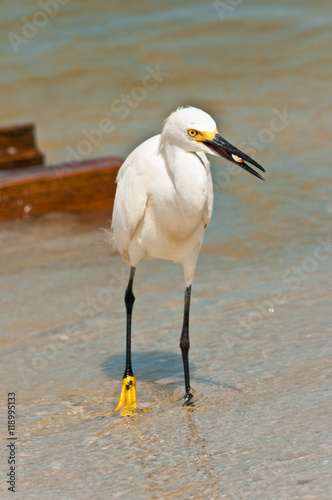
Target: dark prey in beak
point(226, 150)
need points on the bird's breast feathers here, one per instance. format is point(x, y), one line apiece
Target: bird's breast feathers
point(173, 195)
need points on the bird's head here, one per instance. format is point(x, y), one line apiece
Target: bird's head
point(195, 131)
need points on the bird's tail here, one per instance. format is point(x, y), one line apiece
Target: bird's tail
point(110, 239)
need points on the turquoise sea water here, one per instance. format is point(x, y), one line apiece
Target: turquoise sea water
point(261, 305)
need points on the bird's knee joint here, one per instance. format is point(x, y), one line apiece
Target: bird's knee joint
point(184, 345)
point(129, 298)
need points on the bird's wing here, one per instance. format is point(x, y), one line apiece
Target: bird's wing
point(129, 207)
point(131, 195)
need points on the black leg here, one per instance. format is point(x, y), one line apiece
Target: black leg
point(128, 391)
point(184, 342)
point(129, 300)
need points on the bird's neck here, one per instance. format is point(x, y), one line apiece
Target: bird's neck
point(189, 174)
point(177, 158)
point(173, 155)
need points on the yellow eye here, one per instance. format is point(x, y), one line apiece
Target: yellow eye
point(192, 132)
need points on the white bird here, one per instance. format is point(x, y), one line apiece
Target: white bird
point(162, 206)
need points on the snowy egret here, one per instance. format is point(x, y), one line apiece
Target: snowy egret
point(162, 207)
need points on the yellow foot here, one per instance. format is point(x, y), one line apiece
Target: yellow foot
point(128, 393)
point(188, 403)
point(128, 396)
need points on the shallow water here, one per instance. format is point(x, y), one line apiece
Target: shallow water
point(260, 319)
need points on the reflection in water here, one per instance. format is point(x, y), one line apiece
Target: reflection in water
point(168, 461)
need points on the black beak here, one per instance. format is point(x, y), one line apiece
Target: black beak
point(226, 150)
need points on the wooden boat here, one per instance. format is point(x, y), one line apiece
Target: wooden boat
point(29, 188)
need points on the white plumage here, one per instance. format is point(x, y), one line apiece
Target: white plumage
point(162, 207)
point(164, 195)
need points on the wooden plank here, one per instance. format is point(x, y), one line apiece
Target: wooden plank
point(73, 187)
point(18, 148)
